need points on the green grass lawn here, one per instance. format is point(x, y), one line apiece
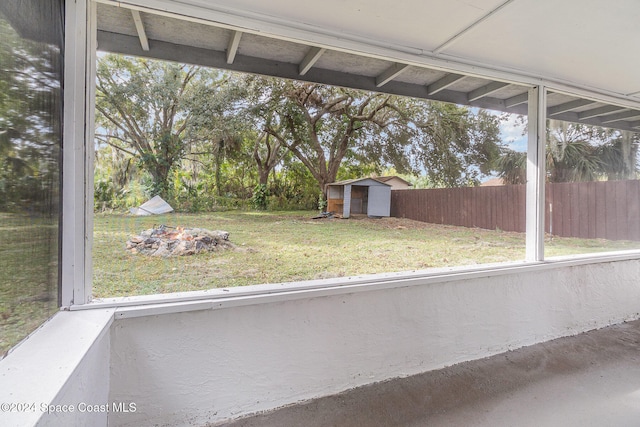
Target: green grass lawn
point(271, 247)
point(277, 247)
point(28, 275)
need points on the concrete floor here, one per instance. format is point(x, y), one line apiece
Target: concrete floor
point(592, 379)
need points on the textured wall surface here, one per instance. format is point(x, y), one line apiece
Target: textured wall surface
point(205, 366)
point(87, 390)
point(58, 375)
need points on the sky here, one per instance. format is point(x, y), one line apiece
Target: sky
point(511, 132)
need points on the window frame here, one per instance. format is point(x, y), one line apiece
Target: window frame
point(77, 157)
point(78, 151)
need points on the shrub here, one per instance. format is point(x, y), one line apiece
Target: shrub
point(259, 198)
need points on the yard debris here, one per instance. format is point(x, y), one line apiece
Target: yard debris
point(327, 215)
point(168, 241)
point(154, 206)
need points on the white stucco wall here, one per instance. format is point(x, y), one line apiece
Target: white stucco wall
point(56, 374)
point(195, 367)
point(87, 390)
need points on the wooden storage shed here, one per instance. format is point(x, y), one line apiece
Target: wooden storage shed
point(359, 196)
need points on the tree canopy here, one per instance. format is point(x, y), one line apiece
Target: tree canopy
point(158, 112)
point(205, 136)
point(577, 152)
point(30, 133)
point(323, 126)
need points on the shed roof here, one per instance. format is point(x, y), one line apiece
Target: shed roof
point(389, 178)
point(357, 180)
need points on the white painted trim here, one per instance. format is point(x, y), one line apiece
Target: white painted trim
point(232, 49)
point(90, 93)
point(203, 12)
point(74, 172)
point(523, 98)
point(142, 34)
point(444, 83)
point(223, 20)
point(487, 90)
point(40, 367)
point(144, 305)
point(568, 106)
point(600, 111)
point(535, 199)
point(625, 115)
point(390, 73)
point(312, 56)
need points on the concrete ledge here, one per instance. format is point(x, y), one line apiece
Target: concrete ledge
point(55, 366)
point(149, 305)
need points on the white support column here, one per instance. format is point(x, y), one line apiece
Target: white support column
point(90, 96)
point(76, 233)
point(535, 205)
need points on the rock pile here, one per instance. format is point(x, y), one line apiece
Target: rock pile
point(168, 241)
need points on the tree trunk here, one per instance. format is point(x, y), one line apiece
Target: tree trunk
point(629, 167)
point(263, 176)
point(160, 175)
point(219, 158)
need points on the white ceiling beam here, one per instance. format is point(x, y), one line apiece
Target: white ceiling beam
point(142, 34)
point(129, 45)
point(338, 40)
point(310, 59)
point(523, 98)
point(568, 106)
point(443, 83)
point(232, 49)
point(462, 33)
point(600, 111)
point(621, 116)
point(390, 73)
point(486, 90)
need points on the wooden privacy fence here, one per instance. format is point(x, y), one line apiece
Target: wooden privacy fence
point(603, 209)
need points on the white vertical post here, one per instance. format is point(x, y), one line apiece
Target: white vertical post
point(346, 199)
point(90, 96)
point(74, 169)
point(535, 205)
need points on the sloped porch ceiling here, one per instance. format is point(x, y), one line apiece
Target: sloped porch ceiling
point(574, 43)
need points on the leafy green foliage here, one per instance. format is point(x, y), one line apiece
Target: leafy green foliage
point(158, 113)
point(30, 146)
point(455, 145)
point(259, 199)
point(30, 125)
point(203, 139)
point(322, 125)
point(577, 152)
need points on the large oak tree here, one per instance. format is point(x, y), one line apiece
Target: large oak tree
point(159, 112)
point(322, 126)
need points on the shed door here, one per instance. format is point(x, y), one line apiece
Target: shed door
point(379, 201)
